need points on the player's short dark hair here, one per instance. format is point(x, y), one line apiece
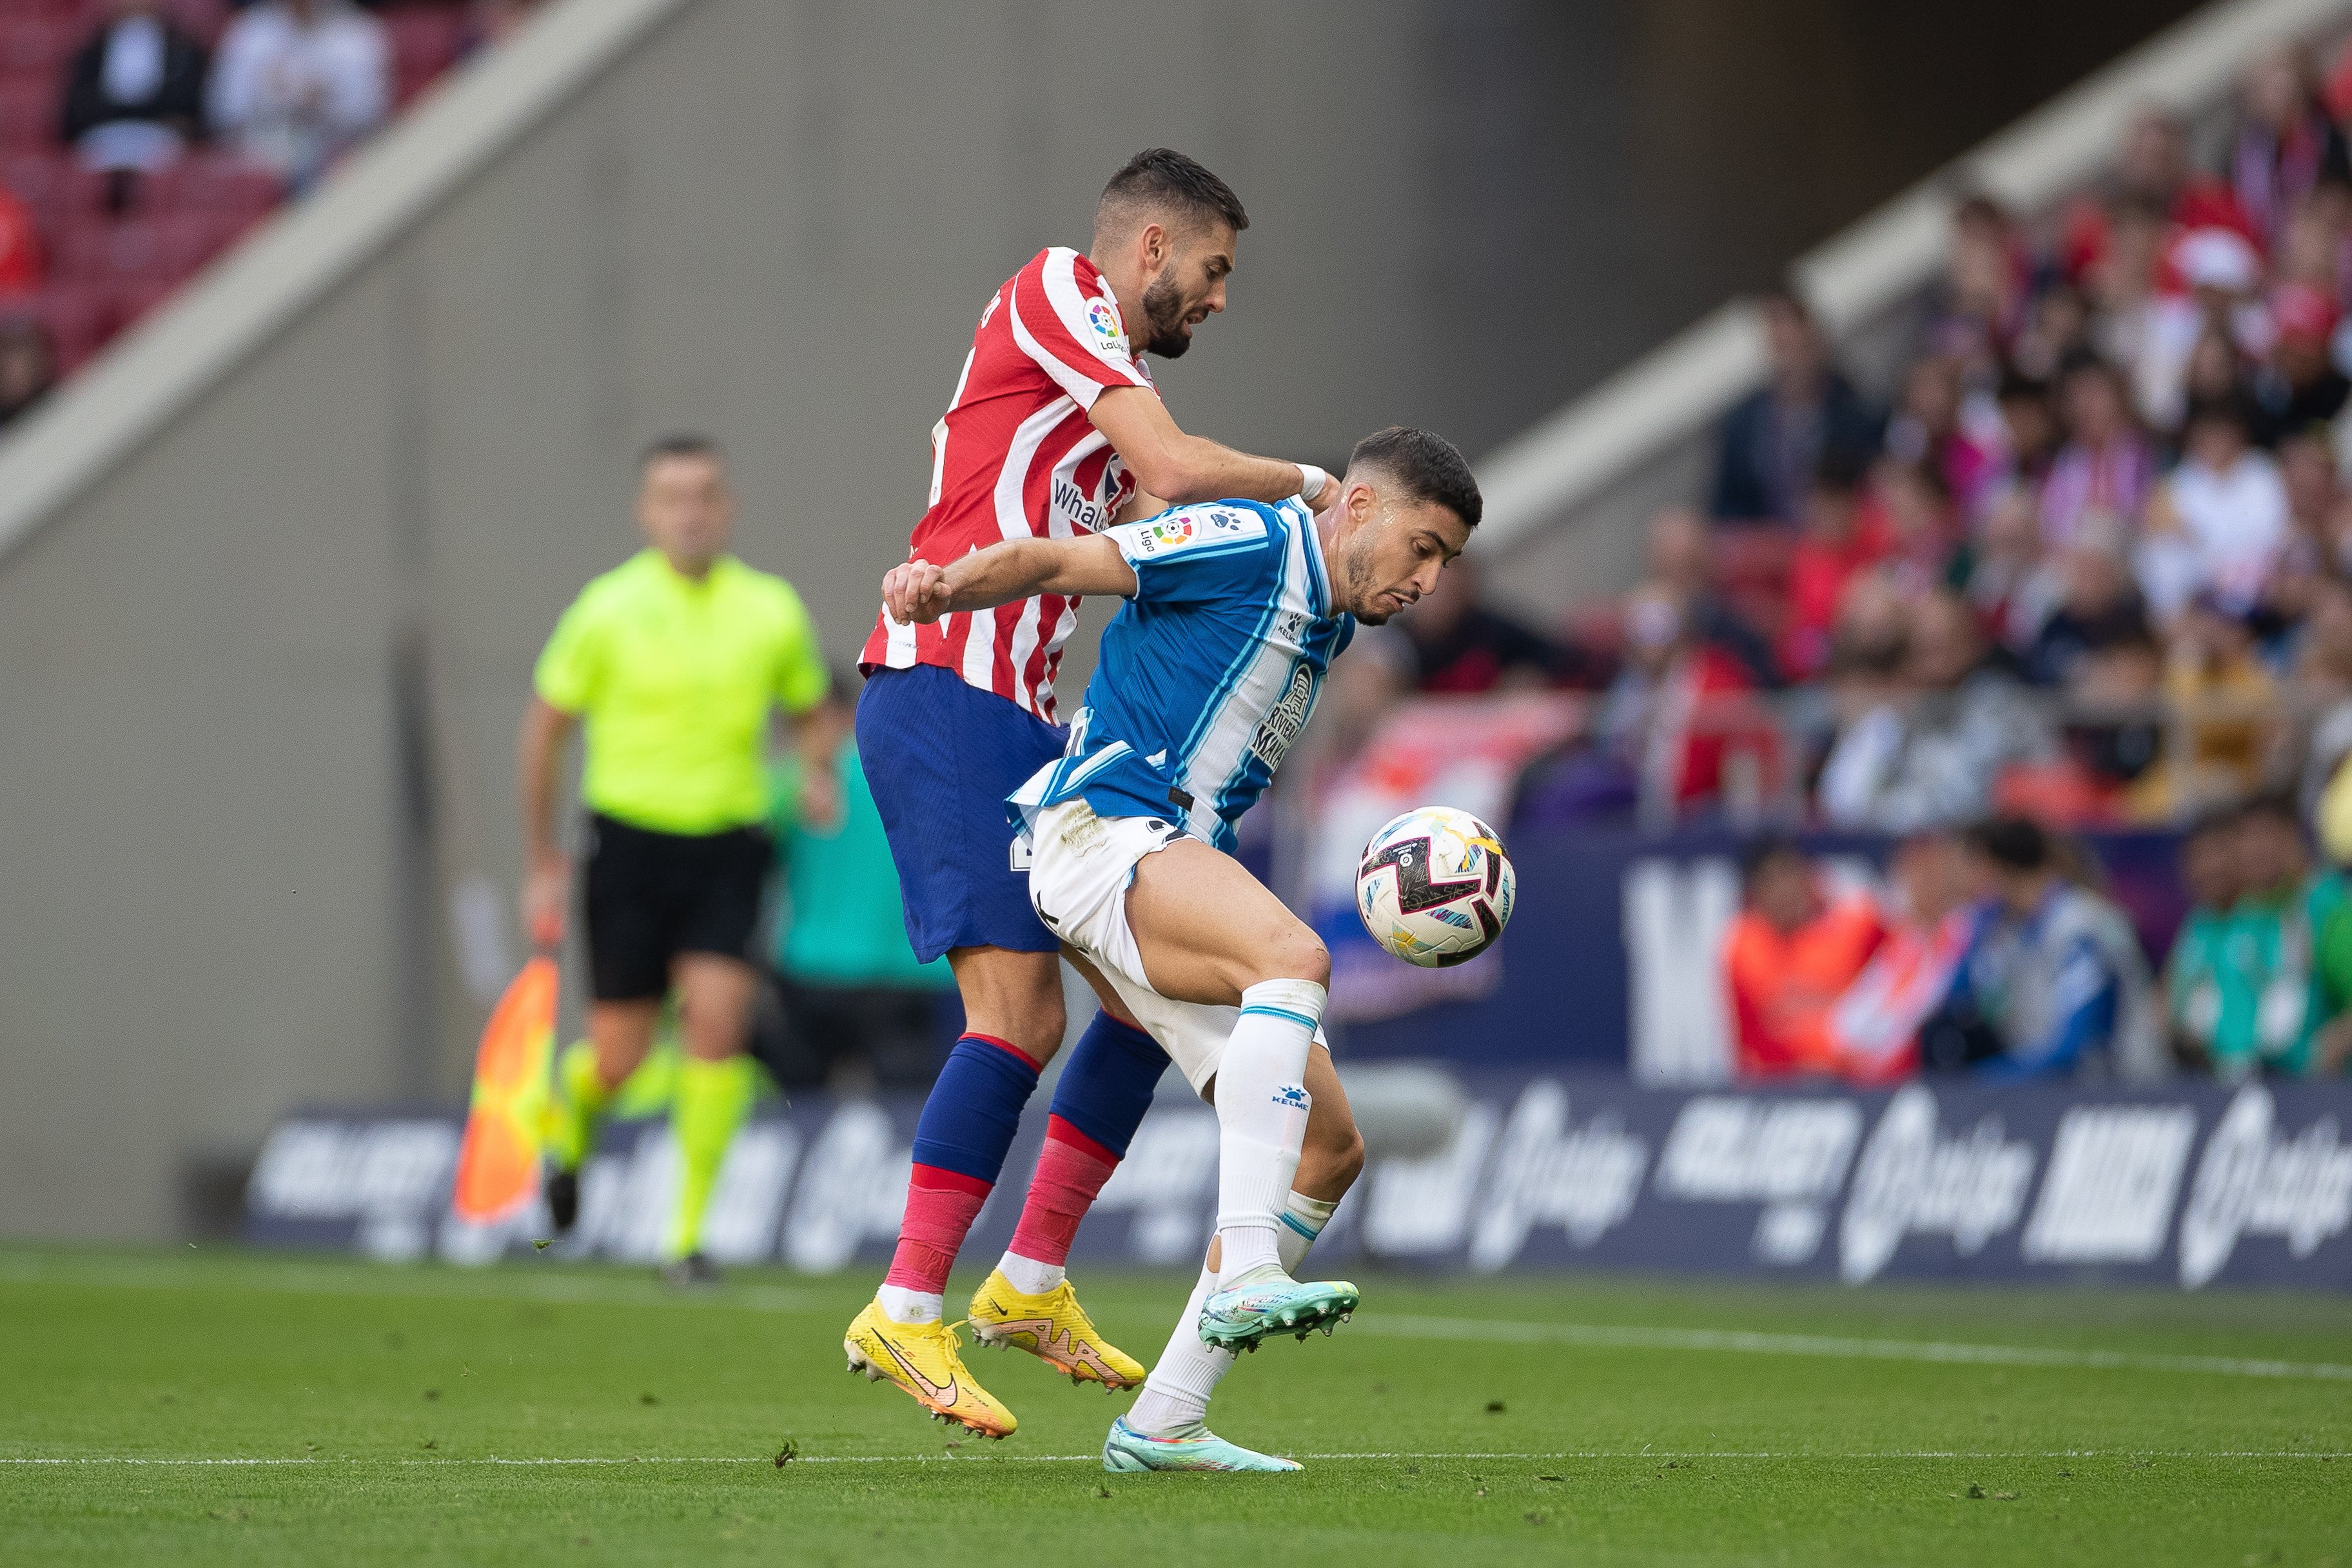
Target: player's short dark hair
point(1163, 177)
point(684, 444)
point(1427, 465)
point(2014, 843)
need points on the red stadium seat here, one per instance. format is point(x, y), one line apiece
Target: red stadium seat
point(29, 114)
point(35, 41)
point(38, 179)
point(214, 182)
point(87, 194)
point(426, 41)
point(116, 250)
point(204, 18)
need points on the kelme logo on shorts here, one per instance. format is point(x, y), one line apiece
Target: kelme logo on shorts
point(1293, 1095)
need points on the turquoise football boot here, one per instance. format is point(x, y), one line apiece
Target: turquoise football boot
point(1128, 1451)
point(1266, 1301)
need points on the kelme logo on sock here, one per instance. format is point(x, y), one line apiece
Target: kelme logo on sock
point(1293, 1095)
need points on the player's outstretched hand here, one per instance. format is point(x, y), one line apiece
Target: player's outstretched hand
point(915, 592)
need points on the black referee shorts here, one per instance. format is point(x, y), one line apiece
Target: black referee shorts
point(653, 896)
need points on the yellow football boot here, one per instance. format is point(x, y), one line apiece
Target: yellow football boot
point(921, 1358)
point(1054, 1329)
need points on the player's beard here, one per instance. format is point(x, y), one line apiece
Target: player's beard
point(1163, 317)
point(1359, 589)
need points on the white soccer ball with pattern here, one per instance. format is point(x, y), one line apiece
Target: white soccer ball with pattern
point(1434, 886)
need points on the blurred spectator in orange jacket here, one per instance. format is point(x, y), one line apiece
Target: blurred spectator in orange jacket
point(1875, 1027)
point(1790, 955)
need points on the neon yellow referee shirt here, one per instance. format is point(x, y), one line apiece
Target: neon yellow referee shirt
point(674, 679)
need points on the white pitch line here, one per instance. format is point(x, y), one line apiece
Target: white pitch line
point(1089, 1459)
point(496, 1285)
point(1616, 1337)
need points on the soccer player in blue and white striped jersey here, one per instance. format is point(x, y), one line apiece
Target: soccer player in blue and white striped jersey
point(1234, 610)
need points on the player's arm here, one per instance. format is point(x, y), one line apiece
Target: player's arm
point(1015, 569)
point(1179, 468)
point(1141, 505)
point(547, 874)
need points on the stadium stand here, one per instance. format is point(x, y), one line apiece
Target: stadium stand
point(2115, 334)
point(113, 246)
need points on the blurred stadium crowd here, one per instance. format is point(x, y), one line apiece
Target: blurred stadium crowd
point(139, 139)
point(2087, 566)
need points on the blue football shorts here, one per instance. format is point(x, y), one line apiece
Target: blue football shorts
point(940, 755)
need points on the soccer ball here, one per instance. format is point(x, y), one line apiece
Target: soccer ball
point(1434, 886)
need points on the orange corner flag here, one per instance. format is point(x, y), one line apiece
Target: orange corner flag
point(498, 1165)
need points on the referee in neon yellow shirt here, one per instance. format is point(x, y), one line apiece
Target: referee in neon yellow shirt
point(677, 662)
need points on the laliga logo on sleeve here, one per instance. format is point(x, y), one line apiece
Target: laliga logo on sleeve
point(1163, 533)
point(1104, 319)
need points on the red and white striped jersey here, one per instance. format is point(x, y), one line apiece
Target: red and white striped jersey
point(1015, 458)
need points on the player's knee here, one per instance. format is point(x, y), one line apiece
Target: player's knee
point(1051, 1021)
point(1038, 1025)
point(1296, 954)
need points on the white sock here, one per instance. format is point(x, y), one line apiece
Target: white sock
point(1030, 1277)
point(1177, 1393)
point(901, 1305)
point(1303, 1219)
point(1262, 1105)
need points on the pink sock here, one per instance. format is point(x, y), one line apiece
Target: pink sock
point(1071, 1170)
point(940, 1207)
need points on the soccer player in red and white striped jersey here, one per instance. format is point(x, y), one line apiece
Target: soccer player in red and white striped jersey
point(1055, 429)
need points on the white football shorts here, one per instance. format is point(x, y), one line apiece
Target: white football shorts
point(1080, 868)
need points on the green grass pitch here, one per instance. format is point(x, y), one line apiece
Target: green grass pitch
point(548, 1414)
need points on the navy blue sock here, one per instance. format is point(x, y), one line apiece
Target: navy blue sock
point(1107, 1086)
point(975, 1108)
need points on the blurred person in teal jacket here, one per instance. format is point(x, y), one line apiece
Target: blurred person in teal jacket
point(850, 1006)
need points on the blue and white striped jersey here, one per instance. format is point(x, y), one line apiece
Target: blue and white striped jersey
point(1207, 675)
